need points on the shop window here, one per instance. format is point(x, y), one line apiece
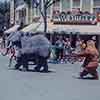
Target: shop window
point(49, 11)
point(57, 4)
point(22, 13)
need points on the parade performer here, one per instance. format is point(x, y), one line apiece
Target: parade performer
point(31, 48)
point(90, 63)
point(41, 46)
point(12, 56)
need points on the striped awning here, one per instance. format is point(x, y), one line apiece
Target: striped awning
point(82, 29)
point(12, 29)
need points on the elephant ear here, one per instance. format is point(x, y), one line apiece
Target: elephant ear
point(14, 36)
point(41, 41)
point(10, 36)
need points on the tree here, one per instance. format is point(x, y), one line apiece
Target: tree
point(46, 4)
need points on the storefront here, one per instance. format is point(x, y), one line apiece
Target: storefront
point(83, 27)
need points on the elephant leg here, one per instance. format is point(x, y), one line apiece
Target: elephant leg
point(19, 62)
point(38, 63)
point(45, 65)
point(25, 62)
point(34, 59)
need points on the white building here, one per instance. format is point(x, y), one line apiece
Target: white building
point(22, 14)
point(18, 12)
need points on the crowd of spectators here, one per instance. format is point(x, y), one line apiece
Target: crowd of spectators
point(63, 47)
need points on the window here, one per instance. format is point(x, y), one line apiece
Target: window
point(86, 5)
point(96, 3)
point(37, 12)
point(76, 6)
point(18, 2)
point(56, 6)
point(76, 3)
point(65, 5)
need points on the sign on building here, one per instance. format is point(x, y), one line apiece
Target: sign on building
point(64, 18)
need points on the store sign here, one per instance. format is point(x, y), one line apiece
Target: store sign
point(64, 18)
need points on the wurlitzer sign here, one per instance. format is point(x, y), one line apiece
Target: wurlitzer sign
point(80, 19)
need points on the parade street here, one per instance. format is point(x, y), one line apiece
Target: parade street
point(59, 84)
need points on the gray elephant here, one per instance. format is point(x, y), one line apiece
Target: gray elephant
point(31, 47)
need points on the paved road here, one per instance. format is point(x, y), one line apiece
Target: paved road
point(56, 85)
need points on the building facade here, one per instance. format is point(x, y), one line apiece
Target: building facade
point(19, 12)
point(12, 12)
point(90, 6)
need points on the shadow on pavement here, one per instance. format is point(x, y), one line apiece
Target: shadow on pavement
point(32, 70)
point(85, 78)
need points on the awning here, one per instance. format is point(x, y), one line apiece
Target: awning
point(82, 29)
point(40, 27)
point(12, 29)
point(32, 27)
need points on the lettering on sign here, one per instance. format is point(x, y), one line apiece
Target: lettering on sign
point(64, 18)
